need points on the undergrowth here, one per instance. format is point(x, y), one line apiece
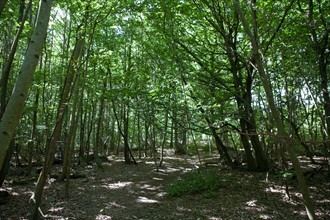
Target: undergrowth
point(200, 181)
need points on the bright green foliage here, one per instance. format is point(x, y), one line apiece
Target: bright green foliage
point(287, 174)
point(201, 181)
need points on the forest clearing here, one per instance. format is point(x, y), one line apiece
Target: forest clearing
point(118, 191)
point(164, 109)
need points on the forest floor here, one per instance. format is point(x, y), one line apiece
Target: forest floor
point(119, 191)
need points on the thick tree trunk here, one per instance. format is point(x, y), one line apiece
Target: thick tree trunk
point(221, 147)
point(251, 163)
point(17, 100)
point(6, 163)
point(275, 113)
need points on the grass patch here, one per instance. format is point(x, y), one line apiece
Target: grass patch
point(200, 181)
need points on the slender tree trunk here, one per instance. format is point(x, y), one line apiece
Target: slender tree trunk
point(125, 135)
point(32, 142)
point(112, 136)
point(146, 137)
point(71, 136)
point(172, 135)
point(98, 142)
point(9, 62)
point(154, 152)
point(83, 116)
point(65, 98)
point(82, 121)
point(275, 113)
point(164, 139)
point(321, 46)
point(139, 134)
point(90, 121)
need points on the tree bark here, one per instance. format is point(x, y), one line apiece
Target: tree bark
point(321, 47)
point(275, 113)
point(31, 144)
point(65, 98)
point(9, 62)
point(16, 104)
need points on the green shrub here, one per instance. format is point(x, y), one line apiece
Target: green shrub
point(205, 182)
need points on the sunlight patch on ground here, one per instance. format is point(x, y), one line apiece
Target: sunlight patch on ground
point(103, 217)
point(55, 209)
point(117, 185)
point(142, 199)
point(277, 189)
point(17, 194)
point(161, 194)
point(251, 205)
point(323, 201)
point(322, 214)
point(264, 216)
point(148, 187)
point(81, 188)
point(175, 158)
point(183, 209)
point(114, 205)
point(156, 178)
point(214, 218)
point(302, 212)
point(172, 169)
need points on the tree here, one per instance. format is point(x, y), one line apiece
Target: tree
point(256, 50)
point(14, 109)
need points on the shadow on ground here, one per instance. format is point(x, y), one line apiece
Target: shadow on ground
point(119, 191)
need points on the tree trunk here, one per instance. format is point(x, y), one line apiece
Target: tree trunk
point(99, 148)
point(275, 113)
point(9, 62)
point(71, 138)
point(31, 144)
point(65, 98)
point(164, 140)
point(321, 47)
point(127, 155)
point(251, 163)
point(69, 143)
point(16, 104)
point(146, 137)
point(222, 149)
point(139, 134)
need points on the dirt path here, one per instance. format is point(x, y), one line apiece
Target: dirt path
point(119, 191)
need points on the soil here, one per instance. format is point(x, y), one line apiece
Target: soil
point(118, 191)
